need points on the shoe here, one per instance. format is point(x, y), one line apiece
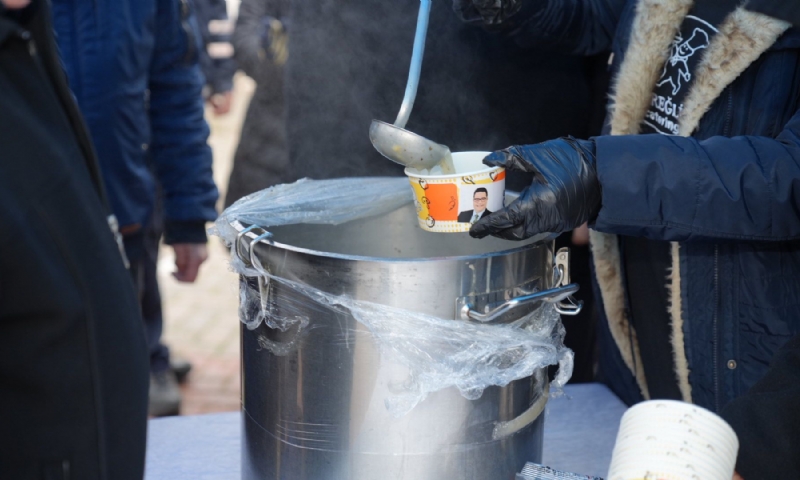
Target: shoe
point(165, 396)
point(181, 368)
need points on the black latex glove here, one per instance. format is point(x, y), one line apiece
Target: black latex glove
point(564, 194)
point(488, 12)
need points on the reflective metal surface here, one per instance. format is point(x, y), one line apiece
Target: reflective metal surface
point(552, 295)
point(318, 413)
point(406, 147)
point(570, 306)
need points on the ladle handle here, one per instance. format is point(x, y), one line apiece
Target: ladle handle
point(416, 64)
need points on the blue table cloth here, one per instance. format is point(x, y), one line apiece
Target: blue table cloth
point(579, 433)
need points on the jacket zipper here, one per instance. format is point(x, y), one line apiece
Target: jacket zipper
point(715, 343)
point(726, 131)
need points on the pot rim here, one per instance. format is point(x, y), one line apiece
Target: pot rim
point(539, 240)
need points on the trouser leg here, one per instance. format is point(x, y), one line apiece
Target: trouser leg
point(142, 249)
point(152, 313)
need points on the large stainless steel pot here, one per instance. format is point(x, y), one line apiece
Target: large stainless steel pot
point(317, 411)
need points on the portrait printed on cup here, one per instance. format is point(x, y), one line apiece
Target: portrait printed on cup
point(478, 201)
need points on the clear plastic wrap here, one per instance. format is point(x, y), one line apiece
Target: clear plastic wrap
point(438, 353)
point(315, 201)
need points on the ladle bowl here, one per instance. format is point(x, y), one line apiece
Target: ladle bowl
point(405, 147)
point(394, 141)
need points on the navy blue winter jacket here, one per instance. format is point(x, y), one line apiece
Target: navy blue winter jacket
point(133, 67)
point(729, 193)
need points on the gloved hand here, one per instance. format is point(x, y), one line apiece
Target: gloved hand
point(564, 193)
point(488, 12)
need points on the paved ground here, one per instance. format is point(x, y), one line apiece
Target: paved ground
point(201, 321)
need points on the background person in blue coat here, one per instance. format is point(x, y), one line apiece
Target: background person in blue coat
point(133, 67)
point(218, 67)
point(697, 181)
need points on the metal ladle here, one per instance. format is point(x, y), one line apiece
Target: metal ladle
point(394, 141)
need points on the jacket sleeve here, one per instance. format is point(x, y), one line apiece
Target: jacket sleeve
point(581, 27)
point(216, 56)
point(251, 38)
point(767, 420)
point(682, 189)
point(179, 152)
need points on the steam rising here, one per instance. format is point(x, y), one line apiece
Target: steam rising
point(478, 91)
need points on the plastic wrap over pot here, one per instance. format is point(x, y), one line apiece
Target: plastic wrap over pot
point(438, 352)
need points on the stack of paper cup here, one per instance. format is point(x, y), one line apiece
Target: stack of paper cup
point(669, 440)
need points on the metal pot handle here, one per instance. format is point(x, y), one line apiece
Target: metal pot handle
point(505, 429)
point(237, 247)
point(263, 277)
point(561, 271)
point(554, 295)
point(562, 291)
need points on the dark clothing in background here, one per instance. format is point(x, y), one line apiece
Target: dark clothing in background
point(646, 264)
point(216, 56)
point(73, 367)
point(581, 335)
point(261, 159)
point(581, 329)
point(144, 272)
point(478, 91)
point(788, 10)
point(767, 417)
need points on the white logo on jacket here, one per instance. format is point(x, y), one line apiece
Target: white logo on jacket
point(682, 51)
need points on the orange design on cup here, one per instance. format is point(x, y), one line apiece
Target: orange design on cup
point(441, 198)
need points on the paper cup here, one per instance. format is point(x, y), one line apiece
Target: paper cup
point(449, 203)
point(696, 422)
point(666, 439)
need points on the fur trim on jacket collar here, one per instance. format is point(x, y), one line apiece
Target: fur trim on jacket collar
point(743, 36)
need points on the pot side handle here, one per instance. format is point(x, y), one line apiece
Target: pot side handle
point(553, 295)
point(560, 295)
